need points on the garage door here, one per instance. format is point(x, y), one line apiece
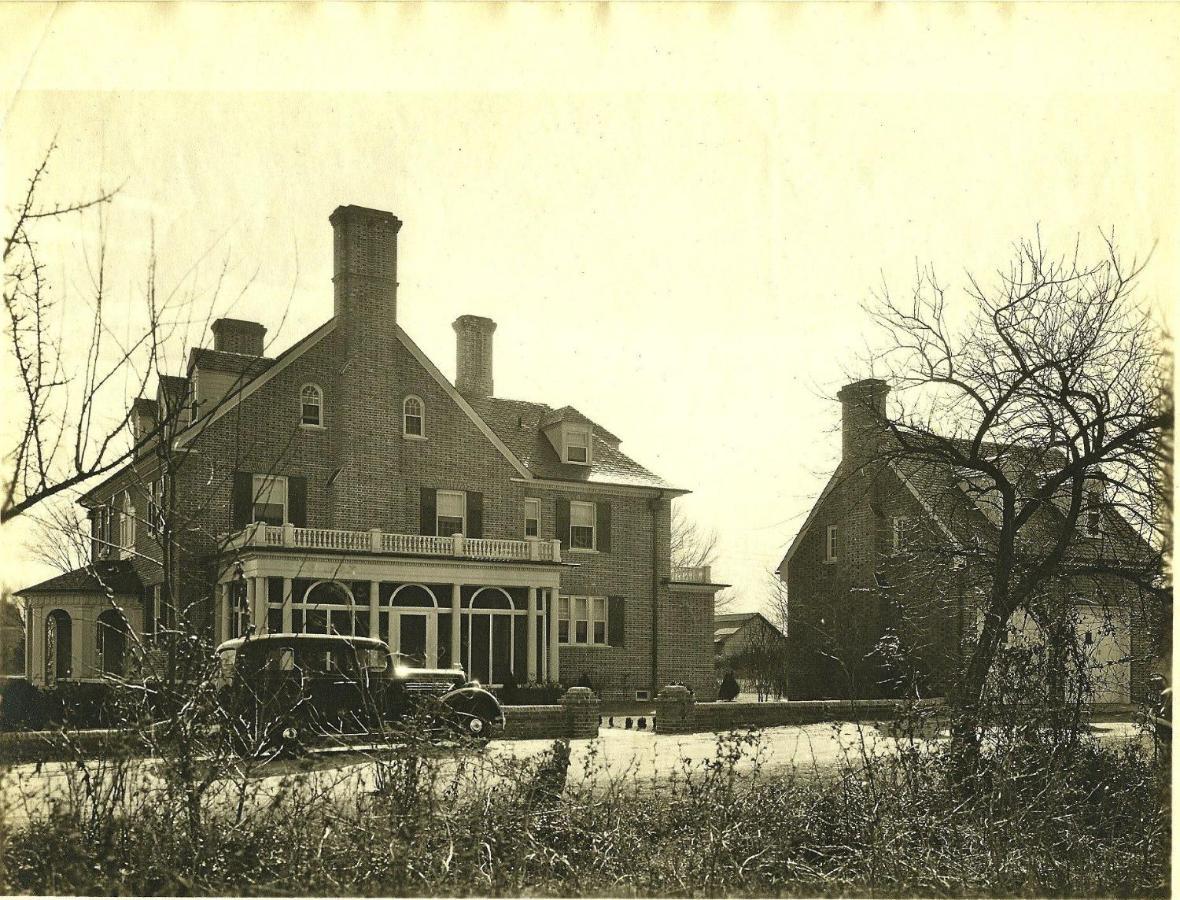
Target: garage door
point(1104, 637)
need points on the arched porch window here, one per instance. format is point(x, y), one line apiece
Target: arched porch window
point(58, 646)
point(328, 607)
point(111, 642)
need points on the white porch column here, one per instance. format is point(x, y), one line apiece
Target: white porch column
point(222, 611)
point(544, 639)
point(374, 608)
point(531, 643)
point(259, 607)
point(455, 626)
point(288, 599)
point(554, 660)
point(36, 639)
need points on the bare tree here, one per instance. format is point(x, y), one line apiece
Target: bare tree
point(1048, 405)
point(693, 547)
point(74, 416)
point(61, 536)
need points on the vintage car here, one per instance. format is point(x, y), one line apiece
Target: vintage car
point(294, 691)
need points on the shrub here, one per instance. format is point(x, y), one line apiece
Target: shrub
point(1041, 817)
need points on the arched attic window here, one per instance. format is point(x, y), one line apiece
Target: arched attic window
point(311, 403)
point(413, 417)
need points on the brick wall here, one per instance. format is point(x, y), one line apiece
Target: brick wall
point(361, 472)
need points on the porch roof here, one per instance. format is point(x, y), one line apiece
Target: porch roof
point(108, 576)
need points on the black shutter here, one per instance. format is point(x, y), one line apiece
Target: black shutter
point(474, 514)
point(428, 506)
point(243, 500)
point(95, 542)
point(602, 526)
point(563, 521)
point(297, 500)
point(616, 619)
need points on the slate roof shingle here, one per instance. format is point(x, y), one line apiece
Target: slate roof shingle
point(518, 423)
point(114, 575)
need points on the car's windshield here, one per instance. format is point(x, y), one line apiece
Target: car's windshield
point(313, 658)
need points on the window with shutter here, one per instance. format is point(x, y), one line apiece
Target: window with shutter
point(583, 518)
point(583, 620)
point(243, 499)
point(532, 517)
point(473, 527)
point(615, 621)
point(270, 499)
point(451, 512)
point(428, 520)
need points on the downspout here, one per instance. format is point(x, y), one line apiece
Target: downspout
point(654, 506)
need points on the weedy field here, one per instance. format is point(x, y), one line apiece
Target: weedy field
point(1044, 815)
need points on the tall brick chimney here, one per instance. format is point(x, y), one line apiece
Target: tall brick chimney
point(473, 355)
point(365, 264)
point(238, 336)
point(364, 385)
point(863, 418)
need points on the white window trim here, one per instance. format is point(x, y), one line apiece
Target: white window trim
point(593, 548)
point(255, 493)
point(899, 526)
point(831, 550)
point(421, 417)
point(319, 393)
point(462, 495)
point(566, 434)
point(126, 526)
point(590, 620)
point(527, 517)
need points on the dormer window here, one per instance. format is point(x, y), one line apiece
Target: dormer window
point(311, 401)
point(1092, 523)
point(577, 446)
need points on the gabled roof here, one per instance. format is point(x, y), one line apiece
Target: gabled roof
point(512, 426)
point(962, 510)
point(518, 425)
point(224, 361)
point(569, 414)
point(728, 624)
point(108, 576)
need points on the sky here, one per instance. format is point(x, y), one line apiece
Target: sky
point(675, 214)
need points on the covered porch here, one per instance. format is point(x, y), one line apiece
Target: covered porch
point(496, 617)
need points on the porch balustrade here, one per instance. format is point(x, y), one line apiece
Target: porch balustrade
point(692, 574)
point(376, 541)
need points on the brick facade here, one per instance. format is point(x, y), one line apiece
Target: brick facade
point(360, 472)
point(879, 619)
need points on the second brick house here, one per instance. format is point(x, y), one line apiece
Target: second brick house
point(892, 563)
point(346, 485)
